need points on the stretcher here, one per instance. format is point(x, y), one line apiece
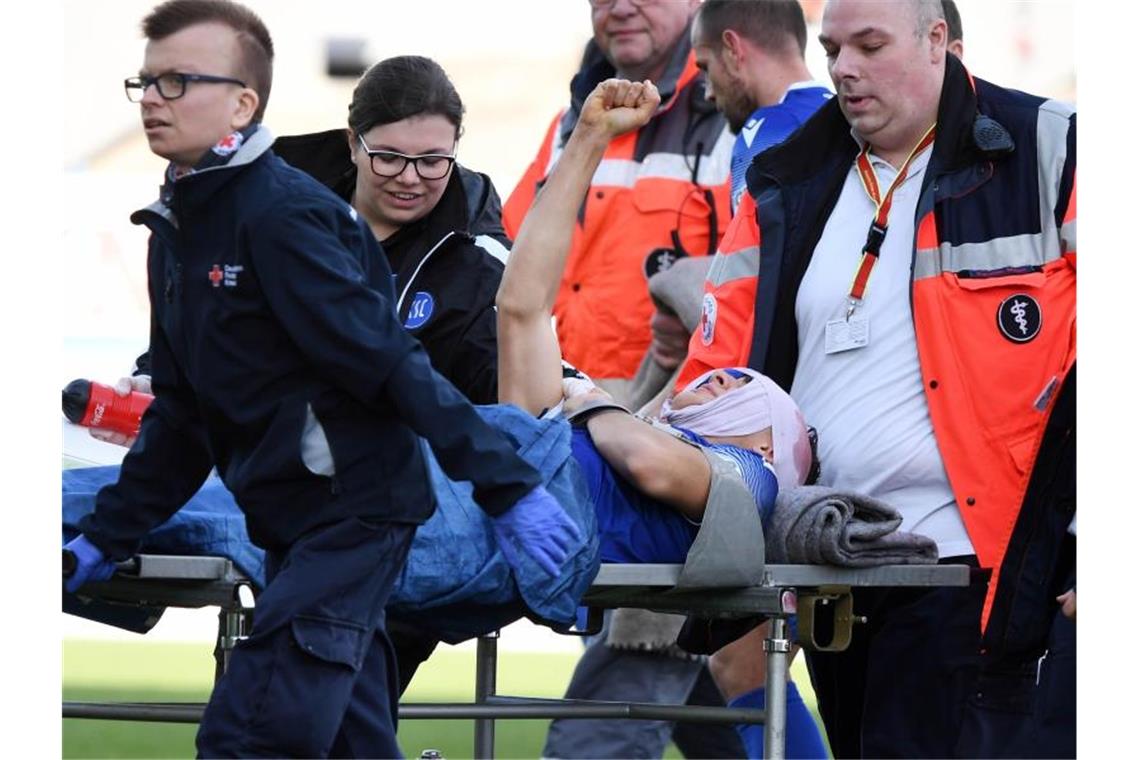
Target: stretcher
point(820, 595)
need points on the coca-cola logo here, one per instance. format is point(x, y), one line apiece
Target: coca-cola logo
point(97, 416)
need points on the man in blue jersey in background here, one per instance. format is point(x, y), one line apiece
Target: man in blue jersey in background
point(752, 53)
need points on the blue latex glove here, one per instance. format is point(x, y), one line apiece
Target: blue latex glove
point(538, 526)
point(92, 564)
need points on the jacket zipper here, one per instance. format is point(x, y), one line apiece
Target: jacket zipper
point(415, 273)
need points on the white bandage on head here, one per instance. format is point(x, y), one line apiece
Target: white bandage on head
point(748, 409)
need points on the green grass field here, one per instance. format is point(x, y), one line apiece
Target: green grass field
point(162, 672)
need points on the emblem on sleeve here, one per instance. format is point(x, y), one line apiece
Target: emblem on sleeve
point(708, 318)
point(1019, 318)
point(420, 310)
point(661, 259)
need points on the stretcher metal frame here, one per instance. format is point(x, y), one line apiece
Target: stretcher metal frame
point(820, 595)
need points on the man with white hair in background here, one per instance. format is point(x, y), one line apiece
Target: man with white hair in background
point(661, 193)
point(910, 275)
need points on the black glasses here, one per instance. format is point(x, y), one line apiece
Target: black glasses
point(171, 85)
point(389, 163)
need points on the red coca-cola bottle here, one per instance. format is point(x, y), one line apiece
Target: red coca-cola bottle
point(96, 405)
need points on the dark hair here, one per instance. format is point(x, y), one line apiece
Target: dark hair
point(771, 24)
point(953, 20)
point(256, 61)
point(397, 88)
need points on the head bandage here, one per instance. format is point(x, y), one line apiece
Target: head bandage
point(747, 409)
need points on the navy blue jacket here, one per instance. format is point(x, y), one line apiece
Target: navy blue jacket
point(277, 357)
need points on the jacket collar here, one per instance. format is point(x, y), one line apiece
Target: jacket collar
point(196, 188)
point(449, 215)
point(964, 136)
point(821, 141)
point(595, 68)
point(411, 244)
point(250, 150)
point(325, 156)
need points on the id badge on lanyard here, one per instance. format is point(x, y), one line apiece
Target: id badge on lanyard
point(847, 334)
point(854, 330)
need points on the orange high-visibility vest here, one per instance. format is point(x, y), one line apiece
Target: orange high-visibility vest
point(664, 185)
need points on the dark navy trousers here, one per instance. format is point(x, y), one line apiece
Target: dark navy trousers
point(317, 676)
point(900, 689)
point(1053, 732)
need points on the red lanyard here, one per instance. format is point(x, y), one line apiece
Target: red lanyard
point(878, 232)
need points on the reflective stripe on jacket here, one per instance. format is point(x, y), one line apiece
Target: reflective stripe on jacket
point(664, 186)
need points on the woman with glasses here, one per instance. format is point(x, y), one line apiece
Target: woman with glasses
point(439, 223)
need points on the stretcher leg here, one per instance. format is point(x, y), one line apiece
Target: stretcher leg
point(486, 665)
point(234, 624)
point(776, 646)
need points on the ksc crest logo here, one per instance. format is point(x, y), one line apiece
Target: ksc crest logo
point(420, 311)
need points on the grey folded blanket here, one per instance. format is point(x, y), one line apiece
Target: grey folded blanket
point(817, 525)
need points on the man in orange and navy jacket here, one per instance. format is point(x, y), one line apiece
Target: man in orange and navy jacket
point(660, 192)
point(992, 302)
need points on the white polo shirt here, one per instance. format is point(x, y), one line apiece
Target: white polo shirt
point(868, 405)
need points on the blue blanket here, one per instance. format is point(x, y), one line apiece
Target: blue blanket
point(456, 582)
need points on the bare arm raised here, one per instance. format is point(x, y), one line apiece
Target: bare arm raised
point(530, 373)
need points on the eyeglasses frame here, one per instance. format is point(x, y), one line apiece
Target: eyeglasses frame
point(408, 159)
point(141, 83)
